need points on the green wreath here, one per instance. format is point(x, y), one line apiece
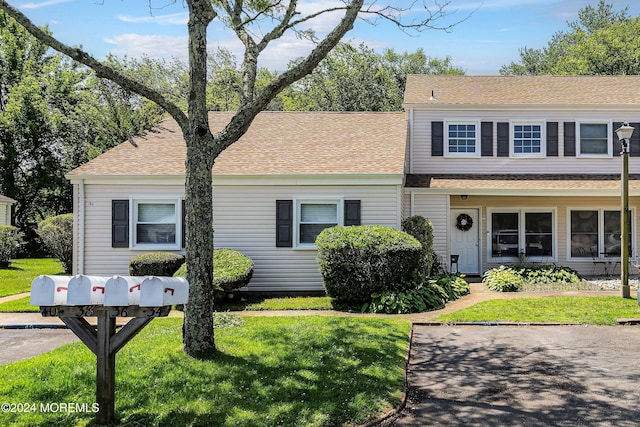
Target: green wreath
point(464, 222)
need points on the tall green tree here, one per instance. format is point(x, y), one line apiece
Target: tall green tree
point(256, 24)
point(601, 42)
point(356, 78)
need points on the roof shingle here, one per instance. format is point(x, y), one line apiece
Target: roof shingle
point(277, 143)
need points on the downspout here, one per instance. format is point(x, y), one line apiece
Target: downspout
point(411, 142)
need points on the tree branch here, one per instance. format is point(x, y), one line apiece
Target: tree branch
point(101, 70)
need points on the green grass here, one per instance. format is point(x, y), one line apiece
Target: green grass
point(285, 371)
point(284, 303)
point(603, 310)
point(18, 306)
point(18, 276)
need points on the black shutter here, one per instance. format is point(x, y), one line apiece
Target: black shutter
point(486, 139)
point(503, 139)
point(635, 140)
point(569, 139)
point(184, 225)
point(352, 212)
point(552, 139)
point(119, 223)
point(437, 138)
point(617, 145)
point(284, 223)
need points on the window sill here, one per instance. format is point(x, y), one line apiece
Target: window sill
point(152, 247)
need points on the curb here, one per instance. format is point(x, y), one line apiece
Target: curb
point(33, 326)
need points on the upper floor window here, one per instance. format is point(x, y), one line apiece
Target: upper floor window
point(528, 140)
point(594, 139)
point(462, 139)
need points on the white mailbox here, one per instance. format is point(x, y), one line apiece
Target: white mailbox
point(161, 291)
point(86, 290)
point(123, 291)
point(49, 290)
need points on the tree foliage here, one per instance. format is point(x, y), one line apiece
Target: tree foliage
point(256, 24)
point(601, 42)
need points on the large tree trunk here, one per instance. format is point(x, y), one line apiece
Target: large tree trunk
point(198, 320)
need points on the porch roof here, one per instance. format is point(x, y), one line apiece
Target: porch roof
point(6, 199)
point(569, 182)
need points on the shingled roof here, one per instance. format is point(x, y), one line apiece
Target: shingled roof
point(6, 199)
point(277, 143)
point(522, 90)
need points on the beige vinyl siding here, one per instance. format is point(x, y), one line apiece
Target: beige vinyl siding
point(560, 207)
point(436, 209)
point(99, 257)
point(5, 217)
point(423, 163)
point(245, 220)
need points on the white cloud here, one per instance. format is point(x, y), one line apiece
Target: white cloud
point(42, 4)
point(181, 18)
point(152, 45)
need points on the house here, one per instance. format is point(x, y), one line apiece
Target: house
point(290, 176)
point(508, 169)
point(5, 209)
point(533, 162)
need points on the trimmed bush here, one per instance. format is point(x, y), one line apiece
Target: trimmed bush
point(422, 229)
point(56, 233)
point(231, 269)
point(155, 264)
point(9, 243)
point(358, 261)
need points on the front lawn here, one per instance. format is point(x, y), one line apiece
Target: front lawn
point(289, 371)
point(596, 310)
point(17, 278)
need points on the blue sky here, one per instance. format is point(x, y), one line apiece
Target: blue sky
point(488, 38)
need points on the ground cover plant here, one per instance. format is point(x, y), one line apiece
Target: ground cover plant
point(596, 310)
point(514, 278)
point(18, 276)
point(292, 371)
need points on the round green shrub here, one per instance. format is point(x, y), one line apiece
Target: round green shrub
point(9, 243)
point(155, 264)
point(231, 269)
point(56, 233)
point(422, 229)
point(358, 261)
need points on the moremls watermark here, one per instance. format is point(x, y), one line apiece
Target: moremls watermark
point(52, 407)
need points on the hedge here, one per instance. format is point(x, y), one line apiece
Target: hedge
point(358, 261)
point(231, 269)
point(155, 264)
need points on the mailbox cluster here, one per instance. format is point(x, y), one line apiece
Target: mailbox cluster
point(116, 291)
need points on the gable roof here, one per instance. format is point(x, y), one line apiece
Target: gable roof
point(6, 199)
point(277, 143)
point(523, 90)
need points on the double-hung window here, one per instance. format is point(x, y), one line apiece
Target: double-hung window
point(528, 139)
point(314, 215)
point(595, 233)
point(522, 232)
point(156, 223)
point(594, 139)
point(462, 139)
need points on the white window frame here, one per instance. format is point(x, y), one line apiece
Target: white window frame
point(543, 138)
point(609, 125)
point(134, 202)
point(522, 233)
point(297, 210)
point(478, 141)
point(601, 235)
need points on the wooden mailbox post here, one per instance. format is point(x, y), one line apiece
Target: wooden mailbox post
point(153, 297)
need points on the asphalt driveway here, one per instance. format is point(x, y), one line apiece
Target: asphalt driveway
point(523, 376)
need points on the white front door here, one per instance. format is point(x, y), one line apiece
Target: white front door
point(464, 240)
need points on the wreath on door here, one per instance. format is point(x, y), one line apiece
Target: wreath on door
point(464, 222)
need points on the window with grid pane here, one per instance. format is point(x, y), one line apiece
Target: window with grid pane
point(462, 137)
point(527, 139)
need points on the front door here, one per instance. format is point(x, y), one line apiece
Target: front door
point(464, 229)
